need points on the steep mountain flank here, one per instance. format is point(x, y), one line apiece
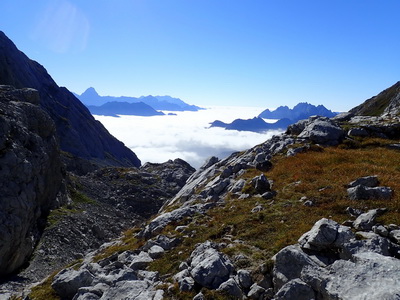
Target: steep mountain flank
point(79, 133)
point(31, 176)
point(386, 102)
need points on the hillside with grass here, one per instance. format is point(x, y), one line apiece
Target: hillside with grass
point(236, 230)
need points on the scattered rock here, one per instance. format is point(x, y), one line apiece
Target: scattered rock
point(369, 181)
point(361, 192)
point(295, 289)
point(367, 220)
point(261, 184)
point(244, 278)
point(68, 281)
point(232, 288)
point(360, 132)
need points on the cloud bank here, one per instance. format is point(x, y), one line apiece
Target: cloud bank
point(185, 135)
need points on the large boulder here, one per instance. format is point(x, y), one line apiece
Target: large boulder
point(368, 276)
point(325, 234)
point(209, 267)
point(31, 175)
point(361, 192)
point(320, 130)
point(68, 281)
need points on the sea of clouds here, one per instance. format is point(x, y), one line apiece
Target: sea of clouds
point(185, 135)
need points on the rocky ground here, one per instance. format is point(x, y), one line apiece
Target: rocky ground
point(102, 205)
point(240, 228)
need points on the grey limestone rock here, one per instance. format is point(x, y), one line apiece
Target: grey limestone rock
point(237, 186)
point(366, 220)
point(209, 267)
point(395, 235)
point(68, 281)
point(261, 184)
point(357, 279)
point(244, 278)
point(231, 287)
point(159, 223)
point(163, 241)
point(155, 251)
point(136, 290)
point(289, 263)
point(256, 292)
point(184, 280)
point(322, 130)
point(91, 292)
point(295, 289)
point(361, 192)
point(361, 132)
point(370, 181)
point(325, 234)
point(140, 261)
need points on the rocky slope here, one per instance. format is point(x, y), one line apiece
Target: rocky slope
point(103, 204)
point(264, 224)
point(31, 174)
point(78, 132)
point(386, 102)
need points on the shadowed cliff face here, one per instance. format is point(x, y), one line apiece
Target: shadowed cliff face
point(31, 177)
point(79, 133)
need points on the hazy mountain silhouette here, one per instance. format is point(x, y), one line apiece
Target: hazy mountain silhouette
point(91, 98)
point(285, 115)
point(301, 111)
point(123, 108)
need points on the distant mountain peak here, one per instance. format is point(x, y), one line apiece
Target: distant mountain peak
point(90, 92)
point(299, 111)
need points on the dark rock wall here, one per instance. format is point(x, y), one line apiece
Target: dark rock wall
point(31, 175)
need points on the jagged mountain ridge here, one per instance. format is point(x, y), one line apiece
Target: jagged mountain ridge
point(302, 110)
point(283, 114)
point(90, 97)
point(256, 124)
point(78, 132)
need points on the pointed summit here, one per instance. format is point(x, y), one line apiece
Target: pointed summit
point(90, 92)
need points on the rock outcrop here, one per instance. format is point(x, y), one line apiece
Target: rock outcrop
point(31, 175)
point(331, 262)
point(78, 132)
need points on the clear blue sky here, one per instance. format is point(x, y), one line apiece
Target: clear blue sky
point(214, 52)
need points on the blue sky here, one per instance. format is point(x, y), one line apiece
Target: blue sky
point(214, 52)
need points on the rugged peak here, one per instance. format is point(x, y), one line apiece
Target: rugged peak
point(78, 132)
point(386, 102)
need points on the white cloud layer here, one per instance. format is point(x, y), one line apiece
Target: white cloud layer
point(186, 135)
